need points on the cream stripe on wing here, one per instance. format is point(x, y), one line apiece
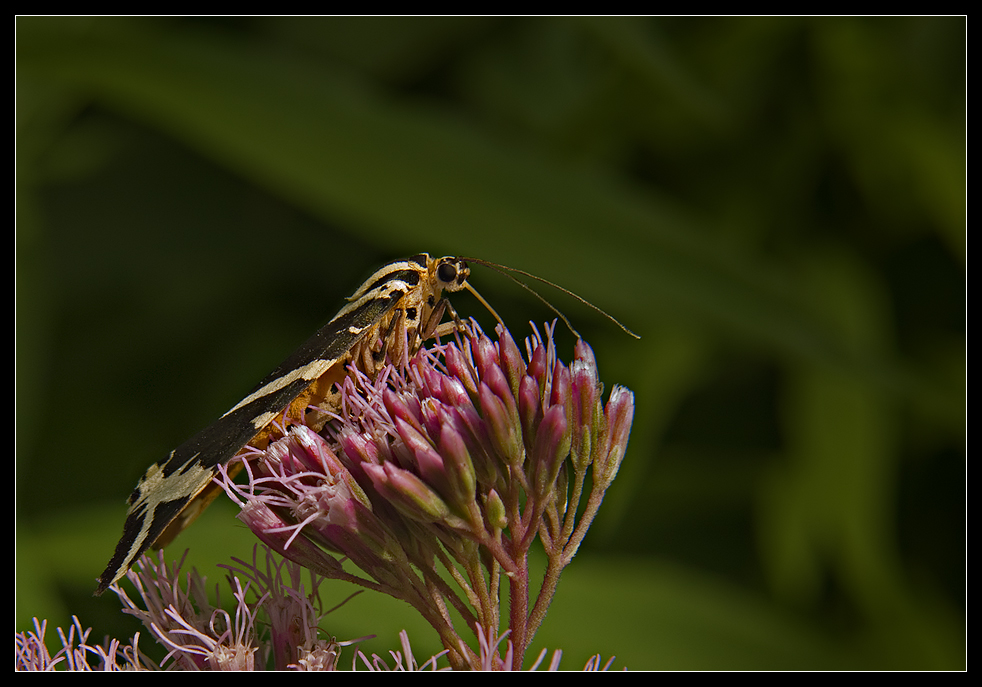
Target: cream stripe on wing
point(308, 372)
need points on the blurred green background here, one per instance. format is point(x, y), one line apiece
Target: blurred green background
point(776, 205)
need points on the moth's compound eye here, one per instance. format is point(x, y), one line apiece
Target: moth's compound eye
point(446, 272)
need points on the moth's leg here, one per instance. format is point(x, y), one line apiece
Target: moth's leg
point(433, 326)
point(398, 317)
point(391, 342)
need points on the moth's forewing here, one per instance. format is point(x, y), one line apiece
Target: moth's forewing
point(386, 315)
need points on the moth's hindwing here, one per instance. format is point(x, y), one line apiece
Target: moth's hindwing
point(392, 312)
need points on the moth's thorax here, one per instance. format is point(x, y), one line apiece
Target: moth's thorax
point(418, 283)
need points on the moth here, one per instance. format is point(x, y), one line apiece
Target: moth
point(397, 308)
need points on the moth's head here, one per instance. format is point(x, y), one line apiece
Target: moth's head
point(450, 273)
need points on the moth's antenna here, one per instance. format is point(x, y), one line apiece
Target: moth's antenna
point(504, 269)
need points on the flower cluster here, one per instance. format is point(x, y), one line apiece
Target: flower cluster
point(76, 654)
point(201, 635)
point(431, 484)
point(452, 466)
point(274, 626)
